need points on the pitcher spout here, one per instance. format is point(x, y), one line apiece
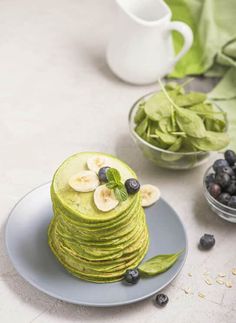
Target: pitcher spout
point(145, 12)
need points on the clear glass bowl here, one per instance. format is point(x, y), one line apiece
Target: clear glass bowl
point(225, 212)
point(161, 157)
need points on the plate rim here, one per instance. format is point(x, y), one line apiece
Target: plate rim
point(90, 304)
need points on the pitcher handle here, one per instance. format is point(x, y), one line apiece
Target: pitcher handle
point(187, 34)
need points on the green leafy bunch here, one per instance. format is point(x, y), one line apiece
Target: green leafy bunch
point(114, 182)
point(181, 122)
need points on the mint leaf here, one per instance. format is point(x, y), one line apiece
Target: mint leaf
point(121, 193)
point(113, 175)
point(114, 182)
point(111, 185)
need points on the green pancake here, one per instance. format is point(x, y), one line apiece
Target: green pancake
point(94, 245)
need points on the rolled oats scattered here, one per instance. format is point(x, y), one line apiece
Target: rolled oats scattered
point(221, 274)
point(190, 274)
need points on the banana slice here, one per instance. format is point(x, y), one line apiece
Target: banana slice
point(105, 199)
point(149, 194)
point(96, 162)
point(84, 181)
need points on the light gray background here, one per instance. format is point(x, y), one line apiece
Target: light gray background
point(57, 97)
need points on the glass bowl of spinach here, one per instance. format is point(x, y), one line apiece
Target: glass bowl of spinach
point(175, 129)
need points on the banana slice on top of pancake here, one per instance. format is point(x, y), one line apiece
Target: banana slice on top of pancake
point(105, 198)
point(84, 181)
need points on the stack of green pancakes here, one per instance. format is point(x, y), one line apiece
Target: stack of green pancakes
point(94, 245)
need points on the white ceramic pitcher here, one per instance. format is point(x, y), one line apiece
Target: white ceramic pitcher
point(140, 50)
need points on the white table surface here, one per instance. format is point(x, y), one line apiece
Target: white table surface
point(58, 97)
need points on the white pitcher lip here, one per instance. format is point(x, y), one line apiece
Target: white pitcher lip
point(144, 22)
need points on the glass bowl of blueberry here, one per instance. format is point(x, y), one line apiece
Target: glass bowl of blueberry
point(220, 186)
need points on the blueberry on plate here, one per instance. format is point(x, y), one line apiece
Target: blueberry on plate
point(232, 202)
point(220, 163)
point(210, 179)
point(230, 156)
point(102, 174)
point(226, 169)
point(162, 299)
point(132, 276)
point(207, 241)
point(132, 185)
point(224, 198)
point(223, 179)
point(231, 189)
point(214, 190)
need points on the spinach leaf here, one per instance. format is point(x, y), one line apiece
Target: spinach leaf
point(215, 123)
point(190, 99)
point(202, 109)
point(140, 114)
point(165, 125)
point(190, 123)
point(158, 106)
point(158, 264)
point(174, 86)
point(142, 127)
point(166, 138)
point(212, 141)
point(214, 120)
point(176, 145)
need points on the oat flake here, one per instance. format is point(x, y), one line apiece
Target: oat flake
point(208, 281)
point(234, 271)
point(220, 281)
point(201, 295)
point(228, 284)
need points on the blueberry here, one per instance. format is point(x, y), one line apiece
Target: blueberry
point(210, 179)
point(230, 156)
point(132, 185)
point(162, 299)
point(102, 174)
point(220, 163)
point(224, 198)
point(132, 276)
point(207, 241)
point(223, 179)
point(226, 169)
point(234, 169)
point(232, 202)
point(214, 190)
point(231, 189)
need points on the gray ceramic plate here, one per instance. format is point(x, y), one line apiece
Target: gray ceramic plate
point(26, 241)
